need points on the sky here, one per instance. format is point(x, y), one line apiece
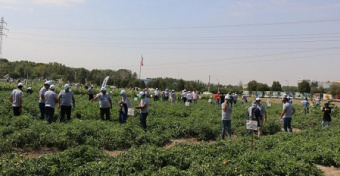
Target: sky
point(230, 41)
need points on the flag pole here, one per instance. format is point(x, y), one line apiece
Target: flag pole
point(140, 70)
point(140, 66)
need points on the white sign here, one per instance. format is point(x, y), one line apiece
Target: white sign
point(131, 111)
point(105, 81)
point(251, 125)
point(209, 100)
point(187, 104)
point(135, 98)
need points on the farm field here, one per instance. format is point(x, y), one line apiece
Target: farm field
point(180, 140)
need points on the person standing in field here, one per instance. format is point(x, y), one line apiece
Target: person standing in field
point(235, 98)
point(326, 115)
point(254, 114)
point(124, 104)
point(317, 102)
point(90, 92)
point(156, 96)
point(144, 110)
point(51, 98)
point(217, 99)
point(189, 97)
point(305, 105)
point(172, 96)
point(42, 99)
point(166, 95)
point(105, 103)
point(184, 96)
point(195, 96)
point(287, 115)
point(66, 102)
point(226, 117)
point(16, 99)
point(262, 117)
point(244, 99)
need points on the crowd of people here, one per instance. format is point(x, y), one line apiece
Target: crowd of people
point(65, 101)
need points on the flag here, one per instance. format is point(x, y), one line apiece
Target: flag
point(141, 62)
point(105, 81)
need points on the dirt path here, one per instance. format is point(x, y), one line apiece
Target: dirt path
point(36, 153)
point(115, 153)
point(329, 171)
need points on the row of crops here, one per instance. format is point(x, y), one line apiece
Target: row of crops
point(81, 142)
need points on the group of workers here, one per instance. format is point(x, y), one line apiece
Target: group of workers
point(49, 99)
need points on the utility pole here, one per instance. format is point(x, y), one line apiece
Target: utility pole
point(2, 28)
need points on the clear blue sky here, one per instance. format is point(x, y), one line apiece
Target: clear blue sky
point(233, 41)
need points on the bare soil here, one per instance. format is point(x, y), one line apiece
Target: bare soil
point(329, 171)
point(115, 153)
point(36, 153)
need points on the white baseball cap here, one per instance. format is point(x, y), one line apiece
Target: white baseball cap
point(67, 86)
point(48, 82)
point(20, 84)
point(258, 99)
point(141, 93)
point(52, 87)
point(227, 97)
point(123, 92)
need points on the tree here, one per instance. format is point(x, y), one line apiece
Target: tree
point(304, 87)
point(276, 86)
point(252, 85)
point(262, 87)
point(314, 85)
point(334, 89)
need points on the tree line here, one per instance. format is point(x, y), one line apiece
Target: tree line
point(124, 78)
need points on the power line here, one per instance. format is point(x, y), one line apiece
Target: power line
point(191, 43)
point(294, 36)
point(194, 27)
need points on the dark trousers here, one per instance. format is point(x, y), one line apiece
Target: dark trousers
point(90, 97)
point(16, 111)
point(155, 98)
point(42, 111)
point(287, 124)
point(49, 114)
point(65, 110)
point(105, 111)
point(142, 119)
point(122, 117)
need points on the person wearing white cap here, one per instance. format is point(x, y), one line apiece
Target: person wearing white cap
point(189, 97)
point(287, 114)
point(172, 96)
point(226, 116)
point(254, 114)
point(16, 100)
point(156, 96)
point(90, 91)
point(124, 104)
point(42, 99)
point(262, 117)
point(235, 97)
point(184, 96)
point(166, 95)
point(195, 96)
point(144, 109)
point(51, 98)
point(244, 99)
point(105, 103)
point(66, 101)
